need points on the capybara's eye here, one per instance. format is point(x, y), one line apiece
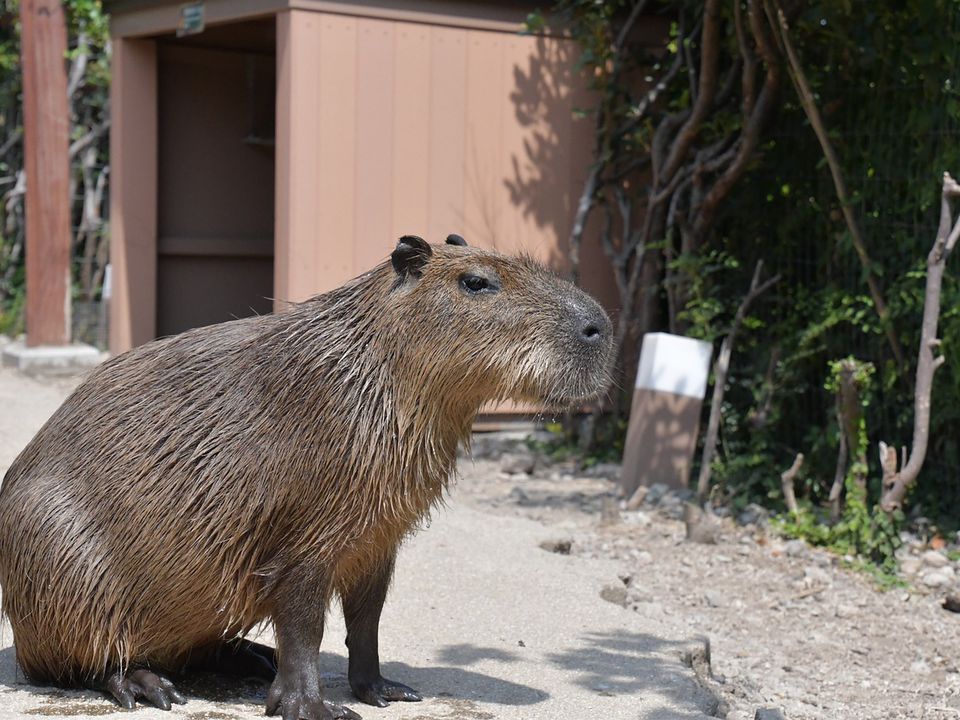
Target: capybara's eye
point(476, 284)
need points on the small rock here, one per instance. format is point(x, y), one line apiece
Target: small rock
point(608, 471)
point(753, 514)
point(769, 714)
point(560, 546)
point(815, 576)
point(519, 464)
point(519, 496)
point(713, 599)
point(743, 550)
point(919, 667)
point(911, 565)
point(643, 557)
point(616, 594)
point(609, 511)
point(656, 492)
point(845, 611)
point(638, 518)
point(952, 603)
point(795, 548)
point(934, 559)
point(936, 578)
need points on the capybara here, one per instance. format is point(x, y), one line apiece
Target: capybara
point(202, 483)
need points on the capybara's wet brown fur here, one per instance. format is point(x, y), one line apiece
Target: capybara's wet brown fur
point(246, 471)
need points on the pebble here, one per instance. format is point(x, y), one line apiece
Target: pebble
point(937, 578)
point(816, 576)
point(795, 548)
point(616, 594)
point(934, 559)
point(919, 667)
point(560, 546)
point(520, 464)
point(845, 611)
point(713, 599)
point(911, 565)
point(769, 714)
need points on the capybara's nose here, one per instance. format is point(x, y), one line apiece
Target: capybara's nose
point(594, 328)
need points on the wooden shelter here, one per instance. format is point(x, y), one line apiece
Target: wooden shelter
point(277, 148)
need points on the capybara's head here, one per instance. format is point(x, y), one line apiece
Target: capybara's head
point(493, 327)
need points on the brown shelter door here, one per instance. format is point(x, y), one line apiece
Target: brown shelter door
point(216, 185)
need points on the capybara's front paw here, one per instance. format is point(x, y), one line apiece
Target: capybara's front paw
point(382, 691)
point(294, 703)
point(143, 685)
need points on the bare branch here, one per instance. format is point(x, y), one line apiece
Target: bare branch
point(836, 490)
point(82, 143)
point(721, 368)
point(927, 364)
point(11, 142)
point(78, 68)
point(787, 478)
point(809, 105)
point(706, 91)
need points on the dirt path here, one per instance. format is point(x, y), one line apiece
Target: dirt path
point(789, 627)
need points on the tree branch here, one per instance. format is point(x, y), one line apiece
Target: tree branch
point(927, 361)
point(809, 105)
point(706, 91)
point(787, 478)
point(720, 370)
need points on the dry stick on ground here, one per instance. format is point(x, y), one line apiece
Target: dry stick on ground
point(896, 484)
point(813, 115)
point(787, 478)
point(720, 370)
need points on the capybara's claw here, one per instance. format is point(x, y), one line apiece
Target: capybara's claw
point(380, 692)
point(143, 685)
point(294, 705)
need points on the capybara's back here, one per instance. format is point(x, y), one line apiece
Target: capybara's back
point(247, 471)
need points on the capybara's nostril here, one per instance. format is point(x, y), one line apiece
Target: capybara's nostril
point(591, 334)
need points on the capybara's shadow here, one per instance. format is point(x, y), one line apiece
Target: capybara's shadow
point(448, 683)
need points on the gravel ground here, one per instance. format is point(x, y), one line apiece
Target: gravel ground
point(791, 627)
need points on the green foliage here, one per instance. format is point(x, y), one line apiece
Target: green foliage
point(863, 530)
point(885, 76)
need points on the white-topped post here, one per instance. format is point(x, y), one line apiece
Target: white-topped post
point(665, 413)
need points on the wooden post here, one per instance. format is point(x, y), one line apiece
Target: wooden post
point(133, 193)
point(43, 42)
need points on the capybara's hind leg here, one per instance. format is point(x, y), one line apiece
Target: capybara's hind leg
point(362, 605)
point(142, 685)
point(244, 659)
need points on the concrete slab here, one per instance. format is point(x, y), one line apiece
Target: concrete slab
point(50, 359)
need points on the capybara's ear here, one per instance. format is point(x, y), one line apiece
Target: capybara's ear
point(453, 239)
point(410, 255)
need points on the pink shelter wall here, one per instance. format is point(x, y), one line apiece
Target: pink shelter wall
point(388, 127)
